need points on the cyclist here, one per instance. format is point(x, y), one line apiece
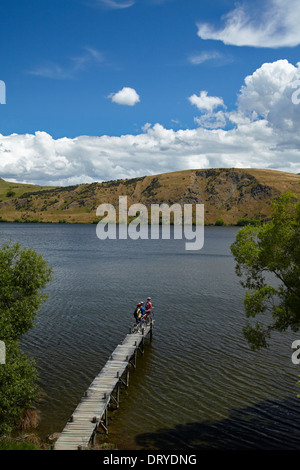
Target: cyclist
point(148, 307)
point(137, 313)
point(142, 308)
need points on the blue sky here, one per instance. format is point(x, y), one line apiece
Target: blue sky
point(105, 89)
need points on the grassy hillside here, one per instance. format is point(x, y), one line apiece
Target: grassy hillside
point(228, 194)
point(17, 189)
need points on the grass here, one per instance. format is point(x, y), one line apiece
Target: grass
point(8, 444)
point(18, 189)
point(13, 444)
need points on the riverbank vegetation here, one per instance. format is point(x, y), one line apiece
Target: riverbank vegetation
point(268, 262)
point(23, 275)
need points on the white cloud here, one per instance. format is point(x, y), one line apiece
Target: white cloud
point(146, 127)
point(214, 58)
point(266, 87)
point(273, 23)
point(262, 132)
point(197, 59)
point(127, 96)
point(206, 103)
point(212, 120)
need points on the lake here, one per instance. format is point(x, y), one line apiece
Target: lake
point(198, 385)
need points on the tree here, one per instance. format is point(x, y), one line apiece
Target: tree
point(268, 258)
point(23, 274)
point(18, 387)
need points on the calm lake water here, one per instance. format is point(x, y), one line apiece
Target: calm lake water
point(198, 385)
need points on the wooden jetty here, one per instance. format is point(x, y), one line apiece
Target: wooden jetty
point(92, 411)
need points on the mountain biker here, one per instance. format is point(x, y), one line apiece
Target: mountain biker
point(148, 307)
point(137, 313)
point(142, 308)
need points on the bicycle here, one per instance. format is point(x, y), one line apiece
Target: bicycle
point(144, 321)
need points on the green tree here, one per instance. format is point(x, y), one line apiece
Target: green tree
point(23, 275)
point(268, 259)
point(18, 387)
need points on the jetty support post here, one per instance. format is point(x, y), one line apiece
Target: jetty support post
point(116, 398)
point(118, 395)
point(123, 382)
point(104, 421)
point(143, 340)
point(133, 362)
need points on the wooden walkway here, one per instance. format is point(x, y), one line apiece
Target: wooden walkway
point(92, 411)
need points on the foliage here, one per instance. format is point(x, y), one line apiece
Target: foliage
point(23, 273)
point(12, 445)
point(18, 389)
point(268, 258)
point(246, 221)
point(220, 222)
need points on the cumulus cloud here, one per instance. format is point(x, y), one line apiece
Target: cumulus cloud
point(266, 87)
point(212, 120)
point(261, 132)
point(273, 23)
point(206, 103)
point(127, 96)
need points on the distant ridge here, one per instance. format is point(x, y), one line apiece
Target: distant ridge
point(230, 194)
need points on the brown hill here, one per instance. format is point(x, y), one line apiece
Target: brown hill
point(227, 193)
